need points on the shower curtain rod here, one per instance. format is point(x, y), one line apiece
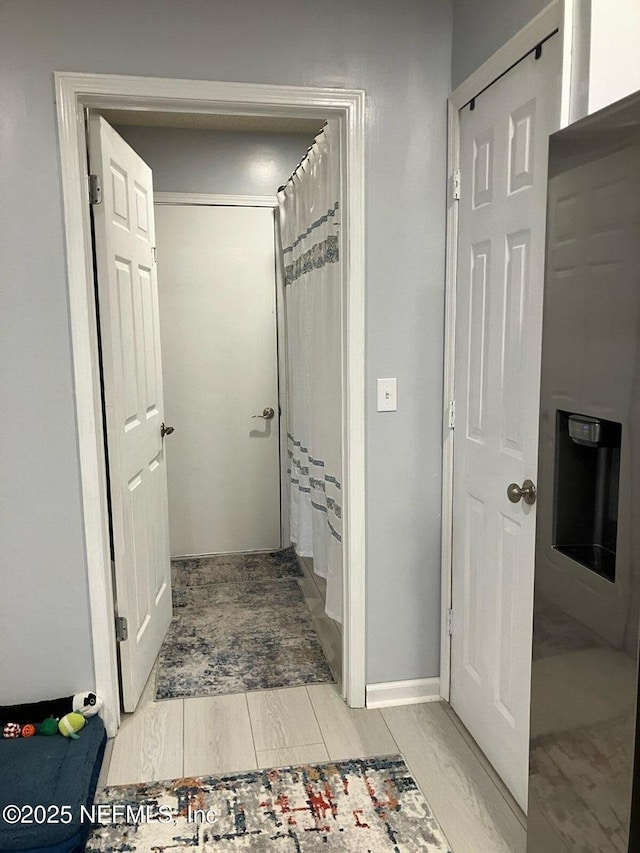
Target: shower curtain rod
point(304, 157)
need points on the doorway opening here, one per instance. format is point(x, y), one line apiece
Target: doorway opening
point(190, 339)
point(77, 92)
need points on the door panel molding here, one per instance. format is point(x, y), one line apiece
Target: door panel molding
point(462, 186)
point(74, 93)
point(127, 294)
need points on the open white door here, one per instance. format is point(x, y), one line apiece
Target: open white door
point(132, 381)
point(503, 167)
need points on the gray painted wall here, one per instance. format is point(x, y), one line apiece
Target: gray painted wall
point(207, 161)
point(400, 54)
point(480, 27)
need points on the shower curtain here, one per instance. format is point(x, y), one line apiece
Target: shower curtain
point(310, 231)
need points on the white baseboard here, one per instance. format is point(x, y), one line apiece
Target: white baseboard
point(412, 692)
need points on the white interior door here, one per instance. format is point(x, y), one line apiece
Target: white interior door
point(503, 164)
point(218, 325)
point(132, 387)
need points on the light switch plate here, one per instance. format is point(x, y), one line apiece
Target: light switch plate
point(387, 395)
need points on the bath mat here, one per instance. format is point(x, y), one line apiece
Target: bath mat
point(232, 637)
point(368, 804)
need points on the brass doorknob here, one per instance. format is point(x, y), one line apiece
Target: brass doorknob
point(267, 414)
point(527, 491)
point(166, 430)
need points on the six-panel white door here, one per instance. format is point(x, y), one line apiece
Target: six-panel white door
point(218, 323)
point(503, 160)
point(132, 387)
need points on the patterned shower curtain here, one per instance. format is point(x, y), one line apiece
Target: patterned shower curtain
point(310, 231)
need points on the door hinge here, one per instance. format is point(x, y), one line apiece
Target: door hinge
point(153, 254)
point(449, 622)
point(452, 414)
point(455, 184)
point(95, 189)
point(122, 629)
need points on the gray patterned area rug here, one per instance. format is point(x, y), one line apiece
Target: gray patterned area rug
point(240, 623)
point(367, 805)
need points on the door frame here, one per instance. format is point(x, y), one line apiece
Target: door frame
point(220, 200)
point(74, 93)
point(562, 16)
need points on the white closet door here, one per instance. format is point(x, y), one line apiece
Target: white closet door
point(216, 272)
point(503, 157)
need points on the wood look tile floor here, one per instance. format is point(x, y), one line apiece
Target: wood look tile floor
point(296, 725)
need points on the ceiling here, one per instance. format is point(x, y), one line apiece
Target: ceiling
point(207, 121)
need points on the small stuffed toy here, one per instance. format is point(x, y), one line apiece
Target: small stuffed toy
point(88, 704)
point(70, 724)
point(18, 720)
point(47, 727)
point(13, 730)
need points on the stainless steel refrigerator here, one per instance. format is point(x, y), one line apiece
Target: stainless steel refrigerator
point(587, 577)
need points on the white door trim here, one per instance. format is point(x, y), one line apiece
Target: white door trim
point(550, 19)
point(216, 199)
point(74, 93)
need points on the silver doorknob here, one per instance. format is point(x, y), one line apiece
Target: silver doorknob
point(166, 430)
point(267, 414)
point(526, 491)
